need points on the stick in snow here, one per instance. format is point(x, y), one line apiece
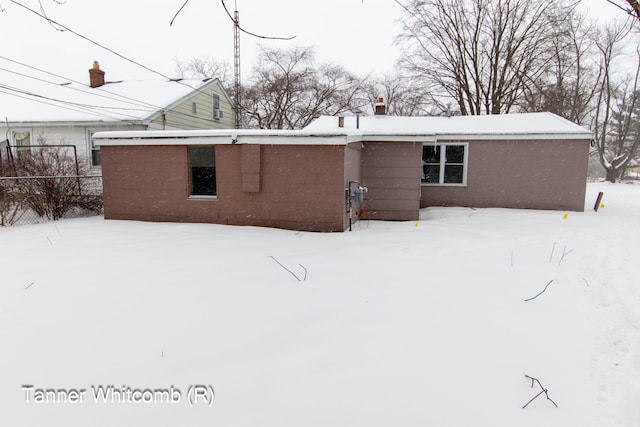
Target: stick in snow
point(544, 390)
point(564, 253)
point(552, 249)
point(541, 292)
point(291, 272)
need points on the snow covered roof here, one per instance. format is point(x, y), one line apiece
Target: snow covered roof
point(325, 131)
point(46, 101)
point(503, 126)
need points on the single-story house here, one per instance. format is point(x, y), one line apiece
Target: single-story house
point(41, 109)
point(312, 179)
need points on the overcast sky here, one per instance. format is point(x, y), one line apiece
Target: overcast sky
point(358, 34)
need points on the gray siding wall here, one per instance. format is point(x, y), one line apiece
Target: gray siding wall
point(391, 171)
point(543, 174)
point(352, 172)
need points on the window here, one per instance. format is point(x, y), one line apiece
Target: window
point(217, 112)
point(202, 163)
point(94, 151)
point(22, 142)
point(194, 108)
point(444, 164)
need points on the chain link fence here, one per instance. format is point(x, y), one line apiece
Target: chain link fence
point(36, 199)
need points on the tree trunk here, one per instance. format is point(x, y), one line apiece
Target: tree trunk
point(612, 174)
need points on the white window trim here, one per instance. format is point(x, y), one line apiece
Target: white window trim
point(90, 147)
point(201, 197)
point(20, 130)
point(13, 143)
point(215, 112)
point(443, 152)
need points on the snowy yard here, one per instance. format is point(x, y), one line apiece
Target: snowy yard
point(396, 324)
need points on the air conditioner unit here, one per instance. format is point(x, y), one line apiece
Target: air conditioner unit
point(217, 114)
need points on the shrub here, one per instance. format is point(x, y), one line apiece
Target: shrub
point(49, 182)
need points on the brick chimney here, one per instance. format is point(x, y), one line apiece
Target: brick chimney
point(96, 75)
point(381, 107)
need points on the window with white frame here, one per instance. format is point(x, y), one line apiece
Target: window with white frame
point(94, 151)
point(217, 110)
point(22, 142)
point(444, 163)
point(202, 163)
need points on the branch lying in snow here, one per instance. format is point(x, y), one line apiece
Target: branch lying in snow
point(30, 284)
point(291, 272)
point(544, 390)
point(542, 291)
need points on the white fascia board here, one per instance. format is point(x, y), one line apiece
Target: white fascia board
point(195, 140)
point(514, 136)
point(395, 137)
point(69, 123)
point(293, 139)
point(207, 137)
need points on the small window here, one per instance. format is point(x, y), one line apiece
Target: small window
point(22, 142)
point(444, 164)
point(217, 111)
point(194, 108)
point(202, 163)
point(94, 151)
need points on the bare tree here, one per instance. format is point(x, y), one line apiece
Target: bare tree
point(631, 7)
point(403, 95)
point(616, 122)
point(288, 90)
point(478, 54)
point(635, 8)
point(568, 85)
point(205, 67)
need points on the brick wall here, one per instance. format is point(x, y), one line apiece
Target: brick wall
point(285, 186)
point(542, 174)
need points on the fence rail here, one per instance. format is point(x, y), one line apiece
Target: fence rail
point(35, 199)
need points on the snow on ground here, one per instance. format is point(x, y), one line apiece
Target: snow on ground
point(397, 323)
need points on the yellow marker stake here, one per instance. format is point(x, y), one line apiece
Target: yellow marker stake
point(417, 223)
point(565, 216)
point(602, 205)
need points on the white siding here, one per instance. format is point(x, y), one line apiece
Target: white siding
point(70, 135)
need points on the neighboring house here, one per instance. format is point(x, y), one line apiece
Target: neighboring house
point(35, 111)
point(304, 179)
point(632, 172)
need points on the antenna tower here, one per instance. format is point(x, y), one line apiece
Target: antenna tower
point(236, 63)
